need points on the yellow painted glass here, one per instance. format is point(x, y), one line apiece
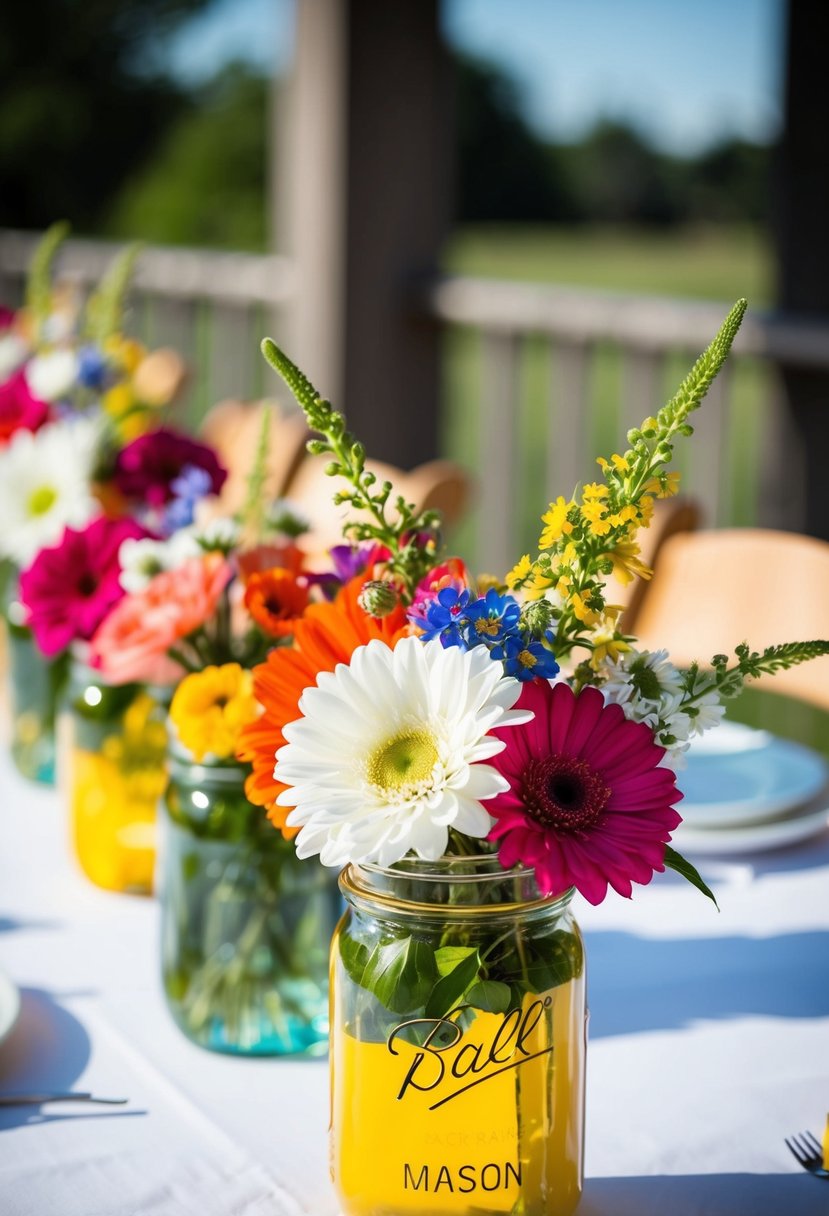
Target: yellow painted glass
point(112, 752)
point(470, 1113)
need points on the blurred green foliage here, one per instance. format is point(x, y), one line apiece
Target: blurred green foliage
point(80, 103)
point(207, 183)
point(91, 130)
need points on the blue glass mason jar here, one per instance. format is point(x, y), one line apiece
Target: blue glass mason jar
point(246, 926)
point(36, 685)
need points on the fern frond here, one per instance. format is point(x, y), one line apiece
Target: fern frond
point(105, 309)
point(39, 279)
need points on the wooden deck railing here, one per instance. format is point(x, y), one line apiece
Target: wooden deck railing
point(537, 377)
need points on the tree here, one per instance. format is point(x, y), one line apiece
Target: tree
point(80, 103)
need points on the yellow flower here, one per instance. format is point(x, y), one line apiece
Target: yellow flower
point(626, 562)
point(665, 485)
point(594, 490)
point(125, 351)
point(520, 572)
point(594, 514)
point(645, 510)
point(607, 641)
point(619, 463)
point(627, 514)
point(557, 523)
point(582, 609)
point(485, 582)
point(210, 708)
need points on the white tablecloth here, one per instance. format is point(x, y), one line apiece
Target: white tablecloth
point(709, 1042)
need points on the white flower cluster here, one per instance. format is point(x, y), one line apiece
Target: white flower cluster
point(142, 560)
point(649, 689)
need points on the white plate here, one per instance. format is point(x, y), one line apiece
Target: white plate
point(9, 1005)
point(753, 778)
point(756, 838)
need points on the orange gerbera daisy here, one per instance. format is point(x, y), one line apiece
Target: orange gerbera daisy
point(274, 598)
point(326, 635)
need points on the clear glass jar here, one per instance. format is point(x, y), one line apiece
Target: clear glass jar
point(458, 1043)
point(36, 685)
point(246, 925)
point(113, 744)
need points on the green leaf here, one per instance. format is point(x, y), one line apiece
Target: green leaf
point(401, 974)
point(674, 861)
point(448, 957)
point(449, 991)
point(490, 995)
point(354, 955)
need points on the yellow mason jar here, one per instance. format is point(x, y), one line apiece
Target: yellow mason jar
point(112, 748)
point(457, 1043)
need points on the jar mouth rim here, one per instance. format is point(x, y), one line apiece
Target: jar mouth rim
point(355, 880)
point(443, 869)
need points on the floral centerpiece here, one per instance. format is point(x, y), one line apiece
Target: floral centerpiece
point(79, 424)
point(473, 752)
point(245, 925)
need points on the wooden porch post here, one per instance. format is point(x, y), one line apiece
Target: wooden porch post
point(364, 188)
point(802, 245)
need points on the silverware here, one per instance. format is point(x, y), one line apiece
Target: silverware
point(39, 1099)
point(808, 1152)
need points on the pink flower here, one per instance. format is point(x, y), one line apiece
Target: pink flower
point(133, 641)
point(19, 410)
point(7, 317)
point(587, 804)
point(70, 587)
point(147, 467)
point(451, 573)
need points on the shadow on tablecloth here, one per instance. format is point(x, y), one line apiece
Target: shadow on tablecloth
point(47, 1050)
point(706, 1195)
point(638, 984)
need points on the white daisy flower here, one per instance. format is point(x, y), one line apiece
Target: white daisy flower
point(386, 757)
point(705, 713)
point(45, 481)
point(223, 533)
point(51, 375)
point(141, 560)
point(649, 689)
point(13, 352)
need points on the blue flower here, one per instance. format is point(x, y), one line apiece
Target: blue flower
point(93, 372)
point(444, 617)
point(492, 618)
point(525, 659)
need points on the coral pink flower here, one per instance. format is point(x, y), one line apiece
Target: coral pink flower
point(588, 804)
point(70, 587)
point(19, 409)
point(146, 468)
point(133, 641)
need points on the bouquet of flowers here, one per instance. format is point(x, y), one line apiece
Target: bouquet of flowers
point(427, 730)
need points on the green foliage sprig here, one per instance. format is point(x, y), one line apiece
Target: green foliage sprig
point(105, 308)
point(39, 279)
point(728, 680)
point(394, 523)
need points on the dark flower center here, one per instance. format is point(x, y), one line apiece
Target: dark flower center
point(564, 793)
point(87, 585)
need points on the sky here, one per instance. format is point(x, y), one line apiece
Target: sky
point(685, 72)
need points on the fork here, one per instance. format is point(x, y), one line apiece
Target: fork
point(806, 1149)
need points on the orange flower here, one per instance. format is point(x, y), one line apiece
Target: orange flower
point(275, 599)
point(326, 635)
point(270, 557)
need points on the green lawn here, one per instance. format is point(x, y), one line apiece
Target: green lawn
point(706, 263)
point(711, 264)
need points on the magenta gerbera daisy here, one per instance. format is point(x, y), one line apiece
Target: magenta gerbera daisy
point(70, 587)
point(588, 804)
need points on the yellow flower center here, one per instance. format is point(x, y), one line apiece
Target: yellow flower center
point(41, 500)
point(490, 628)
point(404, 760)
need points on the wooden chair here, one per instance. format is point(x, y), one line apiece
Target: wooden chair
point(712, 590)
point(670, 516)
point(233, 428)
point(438, 484)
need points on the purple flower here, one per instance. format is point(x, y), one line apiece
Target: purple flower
point(92, 369)
point(148, 468)
point(526, 659)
